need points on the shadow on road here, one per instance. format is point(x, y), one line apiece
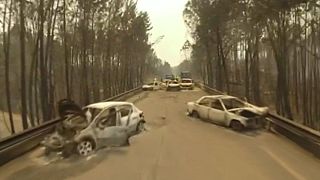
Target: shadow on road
point(252, 132)
point(246, 132)
point(66, 168)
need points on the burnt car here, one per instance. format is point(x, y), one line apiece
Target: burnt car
point(187, 83)
point(173, 86)
point(151, 86)
point(103, 124)
point(61, 140)
point(228, 111)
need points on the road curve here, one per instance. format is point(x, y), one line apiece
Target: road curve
point(177, 147)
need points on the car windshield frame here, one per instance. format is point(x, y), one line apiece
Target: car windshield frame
point(173, 82)
point(233, 106)
point(94, 112)
point(186, 81)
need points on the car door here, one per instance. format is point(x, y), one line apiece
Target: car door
point(217, 112)
point(203, 107)
point(107, 132)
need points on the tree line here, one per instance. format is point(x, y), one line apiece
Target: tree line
point(265, 50)
point(85, 50)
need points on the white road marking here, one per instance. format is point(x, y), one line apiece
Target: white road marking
point(295, 174)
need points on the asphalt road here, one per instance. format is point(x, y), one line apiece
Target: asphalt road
point(177, 147)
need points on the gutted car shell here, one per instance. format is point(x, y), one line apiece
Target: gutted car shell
point(173, 86)
point(186, 83)
point(228, 111)
point(78, 132)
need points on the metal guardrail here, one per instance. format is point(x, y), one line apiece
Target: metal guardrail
point(305, 137)
point(20, 143)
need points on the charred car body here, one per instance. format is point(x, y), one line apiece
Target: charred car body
point(187, 83)
point(173, 86)
point(151, 86)
point(100, 124)
point(228, 111)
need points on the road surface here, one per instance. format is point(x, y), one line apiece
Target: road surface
point(177, 147)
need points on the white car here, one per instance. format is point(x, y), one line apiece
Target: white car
point(100, 124)
point(228, 111)
point(151, 86)
point(173, 86)
point(109, 123)
point(186, 83)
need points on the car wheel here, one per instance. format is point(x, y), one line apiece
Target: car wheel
point(195, 114)
point(85, 147)
point(236, 125)
point(140, 127)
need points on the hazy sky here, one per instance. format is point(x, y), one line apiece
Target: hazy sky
point(166, 18)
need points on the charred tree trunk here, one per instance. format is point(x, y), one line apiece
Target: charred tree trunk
point(6, 48)
point(66, 55)
point(23, 66)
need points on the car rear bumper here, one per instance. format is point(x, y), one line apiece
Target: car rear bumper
point(173, 88)
point(186, 87)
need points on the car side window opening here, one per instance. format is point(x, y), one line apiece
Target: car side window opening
point(91, 113)
point(107, 118)
point(125, 111)
point(216, 104)
point(232, 103)
point(205, 102)
point(88, 115)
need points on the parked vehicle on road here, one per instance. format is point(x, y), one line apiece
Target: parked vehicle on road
point(187, 83)
point(228, 111)
point(173, 86)
point(151, 86)
point(104, 124)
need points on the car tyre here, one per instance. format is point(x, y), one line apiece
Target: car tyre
point(140, 127)
point(195, 114)
point(85, 147)
point(236, 125)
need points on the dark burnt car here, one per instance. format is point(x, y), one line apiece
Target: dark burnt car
point(73, 120)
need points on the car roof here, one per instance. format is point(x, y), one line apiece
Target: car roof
point(103, 105)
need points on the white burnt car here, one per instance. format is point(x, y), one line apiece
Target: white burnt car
point(228, 111)
point(186, 83)
point(151, 86)
point(103, 124)
point(173, 86)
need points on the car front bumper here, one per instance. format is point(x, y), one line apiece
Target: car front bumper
point(255, 123)
point(177, 88)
